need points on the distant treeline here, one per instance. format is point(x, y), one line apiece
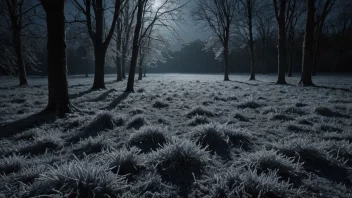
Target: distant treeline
point(192, 58)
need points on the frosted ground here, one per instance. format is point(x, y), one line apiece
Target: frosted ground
point(179, 136)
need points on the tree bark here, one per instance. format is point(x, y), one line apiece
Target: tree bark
point(118, 52)
point(123, 66)
point(251, 47)
point(16, 33)
point(282, 44)
point(140, 67)
point(140, 73)
point(290, 49)
point(58, 101)
point(20, 61)
point(307, 59)
point(99, 50)
point(226, 52)
point(135, 48)
point(99, 68)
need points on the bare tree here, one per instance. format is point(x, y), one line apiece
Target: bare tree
point(18, 16)
point(96, 32)
point(322, 10)
point(118, 56)
point(218, 16)
point(166, 12)
point(265, 28)
point(294, 13)
point(58, 101)
point(128, 19)
point(307, 59)
point(244, 26)
point(153, 49)
point(280, 13)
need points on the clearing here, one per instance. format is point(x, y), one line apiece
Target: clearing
point(179, 136)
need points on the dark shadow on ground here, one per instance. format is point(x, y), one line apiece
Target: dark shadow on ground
point(78, 85)
point(103, 96)
point(243, 82)
point(32, 121)
point(333, 88)
point(111, 82)
point(116, 101)
point(78, 95)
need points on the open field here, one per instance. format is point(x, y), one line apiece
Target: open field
point(179, 136)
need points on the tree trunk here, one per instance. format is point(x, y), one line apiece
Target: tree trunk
point(118, 52)
point(119, 70)
point(251, 47)
point(58, 100)
point(290, 49)
point(86, 68)
point(145, 71)
point(123, 65)
point(282, 45)
point(140, 73)
point(307, 59)
point(226, 67)
point(135, 48)
point(16, 33)
point(140, 67)
point(20, 62)
point(99, 49)
point(226, 53)
point(263, 58)
point(99, 69)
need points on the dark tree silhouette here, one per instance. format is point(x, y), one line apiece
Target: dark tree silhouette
point(118, 51)
point(19, 13)
point(135, 48)
point(96, 33)
point(294, 13)
point(307, 59)
point(324, 7)
point(58, 102)
point(218, 16)
point(280, 13)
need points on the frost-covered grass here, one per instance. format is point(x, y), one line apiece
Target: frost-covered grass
point(180, 135)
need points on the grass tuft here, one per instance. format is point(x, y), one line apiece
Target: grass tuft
point(43, 143)
point(124, 161)
point(249, 104)
point(93, 145)
point(281, 117)
point(212, 136)
point(252, 184)
point(239, 137)
point(198, 120)
point(28, 174)
point(148, 138)
point(179, 161)
point(102, 122)
point(327, 112)
point(270, 160)
point(160, 104)
point(200, 111)
point(12, 164)
point(241, 117)
point(78, 179)
point(137, 122)
point(316, 159)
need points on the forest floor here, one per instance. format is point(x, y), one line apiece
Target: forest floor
point(179, 136)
